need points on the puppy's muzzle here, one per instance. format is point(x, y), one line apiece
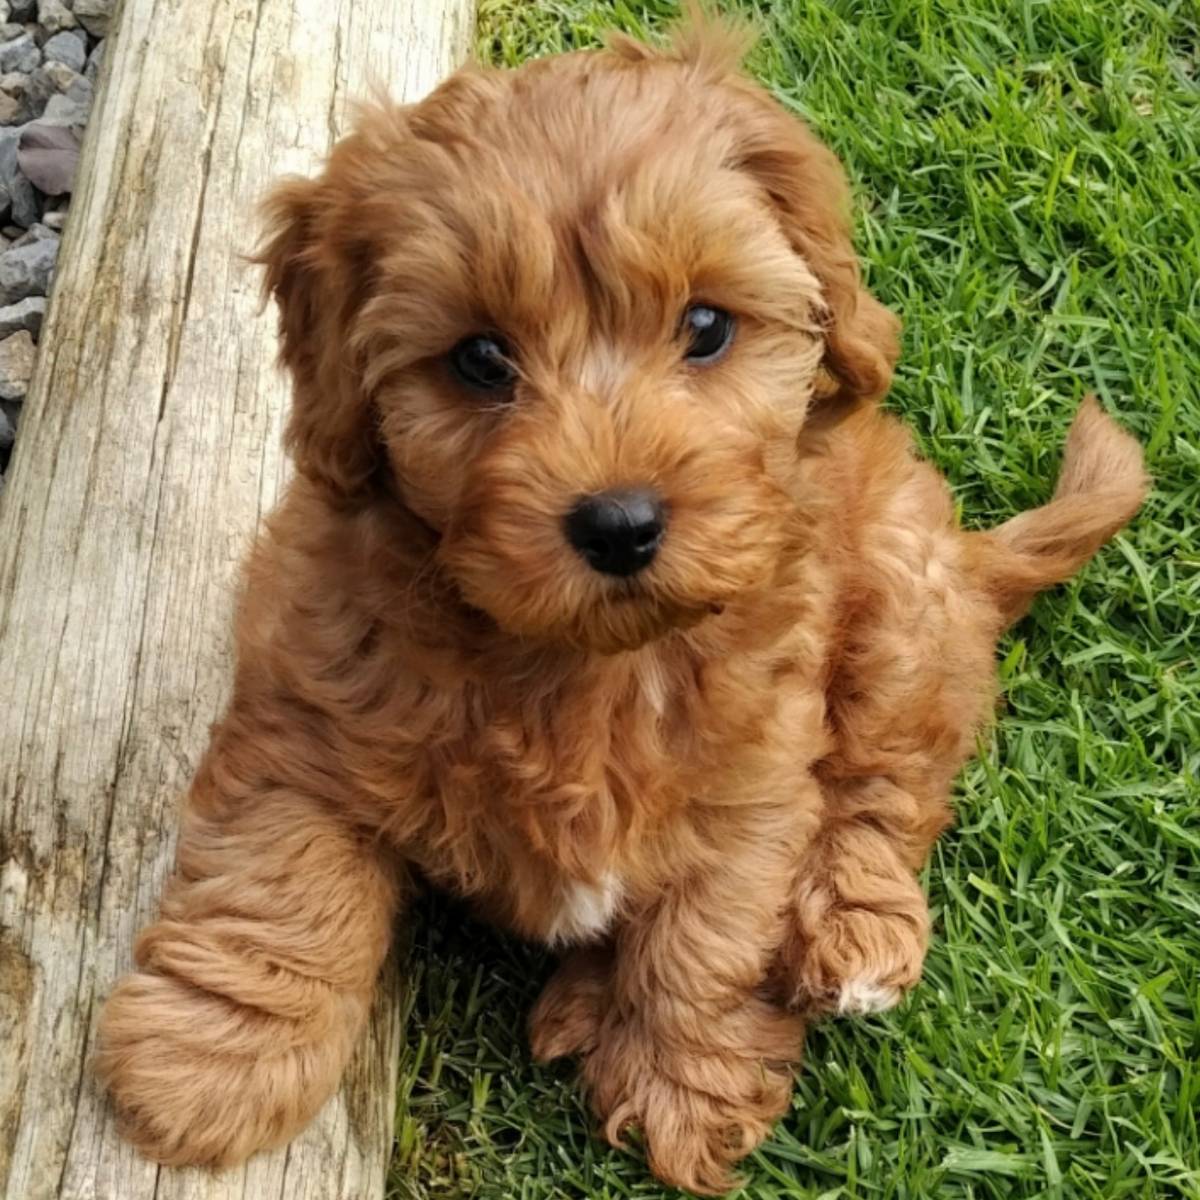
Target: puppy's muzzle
point(618, 532)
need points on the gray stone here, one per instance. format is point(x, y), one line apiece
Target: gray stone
point(54, 16)
point(48, 154)
point(16, 101)
point(38, 232)
point(67, 48)
point(94, 15)
point(22, 10)
point(16, 365)
point(5, 12)
point(19, 54)
point(26, 314)
point(7, 432)
point(55, 221)
point(27, 270)
point(50, 79)
point(24, 209)
point(95, 62)
point(69, 110)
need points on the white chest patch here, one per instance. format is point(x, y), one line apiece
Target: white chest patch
point(585, 911)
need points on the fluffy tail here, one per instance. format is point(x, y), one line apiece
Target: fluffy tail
point(1102, 484)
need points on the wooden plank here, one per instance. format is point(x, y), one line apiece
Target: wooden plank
point(149, 450)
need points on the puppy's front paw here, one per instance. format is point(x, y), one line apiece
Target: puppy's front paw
point(197, 1079)
point(700, 1108)
point(566, 1018)
point(848, 958)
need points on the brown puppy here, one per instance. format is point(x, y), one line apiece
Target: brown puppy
point(605, 595)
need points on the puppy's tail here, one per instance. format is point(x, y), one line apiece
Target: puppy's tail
point(1102, 484)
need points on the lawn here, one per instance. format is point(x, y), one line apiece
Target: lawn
point(1027, 182)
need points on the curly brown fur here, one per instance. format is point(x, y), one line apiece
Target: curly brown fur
point(716, 777)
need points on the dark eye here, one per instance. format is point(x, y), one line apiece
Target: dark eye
point(483, 361)
point(708, 331)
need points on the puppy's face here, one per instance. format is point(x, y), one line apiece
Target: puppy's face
point(577, 314)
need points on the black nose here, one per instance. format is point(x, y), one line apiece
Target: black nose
point(618, 532)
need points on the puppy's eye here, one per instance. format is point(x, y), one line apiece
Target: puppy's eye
point(484, 361)
point(708, 331)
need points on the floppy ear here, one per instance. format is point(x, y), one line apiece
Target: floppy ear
point(807, 189)
point(312, 272)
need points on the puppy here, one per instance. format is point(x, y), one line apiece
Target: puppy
point(605, 595)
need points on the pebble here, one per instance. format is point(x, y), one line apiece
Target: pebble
point(16, 365)
point(41, 232)
point(27, 270)
point(49, 79)
point(51, 53)
point(68, 110)
point(26, 314)
point(95, 62)
point(94, 15)
point(17, 105)
point(23, 208)
point(70, 49)
point(48, 155)
point(19, 54)
point(54, 16)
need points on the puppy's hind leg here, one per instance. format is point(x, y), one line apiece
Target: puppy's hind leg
point(254, 984)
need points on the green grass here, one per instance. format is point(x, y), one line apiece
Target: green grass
point(1027, 175)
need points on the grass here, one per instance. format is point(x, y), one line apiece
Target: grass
point(1028, 184)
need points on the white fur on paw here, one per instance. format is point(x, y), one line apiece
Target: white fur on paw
point(866, 995)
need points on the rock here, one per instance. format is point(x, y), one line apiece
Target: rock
point(48, 153)
point(19, 54)
point(54, 16)
point(5, 12)
point(22, 10)
point(95, 62)
point(16, 101)
point(67, 48)
point(55, 221)
point(16, 365)
point(94, 15)
point(39, 232)
point(7, 432)
point(27, 270)
point(26, 314)
point(22, 198)
point(50, 79)
point(70, 111)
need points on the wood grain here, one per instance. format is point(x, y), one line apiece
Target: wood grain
point(149, 450)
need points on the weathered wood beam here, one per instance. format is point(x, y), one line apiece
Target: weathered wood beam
point(149, 450)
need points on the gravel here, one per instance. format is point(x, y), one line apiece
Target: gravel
point(70, 49)
point(16, 365)
point(50, 56)
point(26, 314)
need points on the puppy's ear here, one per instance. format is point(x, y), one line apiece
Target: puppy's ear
point(312, 275)
point(807, 188)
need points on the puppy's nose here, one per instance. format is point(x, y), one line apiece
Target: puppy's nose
point(618, 532)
